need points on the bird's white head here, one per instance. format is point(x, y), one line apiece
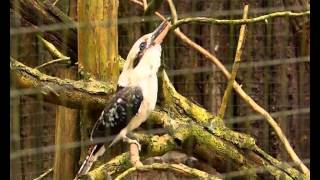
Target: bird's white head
point(144, 56)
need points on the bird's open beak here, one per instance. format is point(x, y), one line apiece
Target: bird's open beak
point(160, 33)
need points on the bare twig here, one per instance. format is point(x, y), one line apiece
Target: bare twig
point(173, 11)
point(156, 12)
point(60, 60)
point(236, 65)
point(180, 168)
point(44, 174)
point(152, 7)
point(53, 51)
point(51, 48)
point(54, 3)
point(256, 107)
point(239, 21)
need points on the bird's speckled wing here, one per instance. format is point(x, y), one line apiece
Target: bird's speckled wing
point(118, 112)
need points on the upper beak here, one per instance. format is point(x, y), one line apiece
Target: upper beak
point(160, 33)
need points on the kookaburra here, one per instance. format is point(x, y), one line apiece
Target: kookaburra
point(135, 97)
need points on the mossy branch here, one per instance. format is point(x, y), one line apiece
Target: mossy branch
point(178, 168)
point(66, 92)
point(207, 146)
point(184, 120)
point(151, 146)
point(218, 144)
point(238, 21)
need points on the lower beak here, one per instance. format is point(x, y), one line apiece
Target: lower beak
point(160, 33)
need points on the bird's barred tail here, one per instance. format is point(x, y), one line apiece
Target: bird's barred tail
point(93, 153)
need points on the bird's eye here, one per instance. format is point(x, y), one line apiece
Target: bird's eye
point(142, 46)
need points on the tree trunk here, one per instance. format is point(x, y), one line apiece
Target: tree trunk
point(67, 127)
point(97, 50)
point(67, 120)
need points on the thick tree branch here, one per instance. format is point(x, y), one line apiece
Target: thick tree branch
point(207, 146)
point(239, 21)
point(70, 93)
point(151, 146)
point(184, 120)
point(179, 168)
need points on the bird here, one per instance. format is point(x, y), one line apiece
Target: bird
point(135, 96)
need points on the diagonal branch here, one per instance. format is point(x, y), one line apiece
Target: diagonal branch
point(44, 174)
point(51, 48)
point(235, 66)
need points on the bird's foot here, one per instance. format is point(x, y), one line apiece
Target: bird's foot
point(132, 141)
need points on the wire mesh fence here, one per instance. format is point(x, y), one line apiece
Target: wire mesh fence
point(274, 71)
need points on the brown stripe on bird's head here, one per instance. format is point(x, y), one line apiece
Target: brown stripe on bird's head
point(156, 38)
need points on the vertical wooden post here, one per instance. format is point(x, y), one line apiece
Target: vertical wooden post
point(97, 49)
point(67, 122)
point(98, 38)
point(67, 127)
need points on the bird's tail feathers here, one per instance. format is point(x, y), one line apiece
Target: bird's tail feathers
point(95, 125)
point(94, 152)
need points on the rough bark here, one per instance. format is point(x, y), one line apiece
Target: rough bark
point(97, 39)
